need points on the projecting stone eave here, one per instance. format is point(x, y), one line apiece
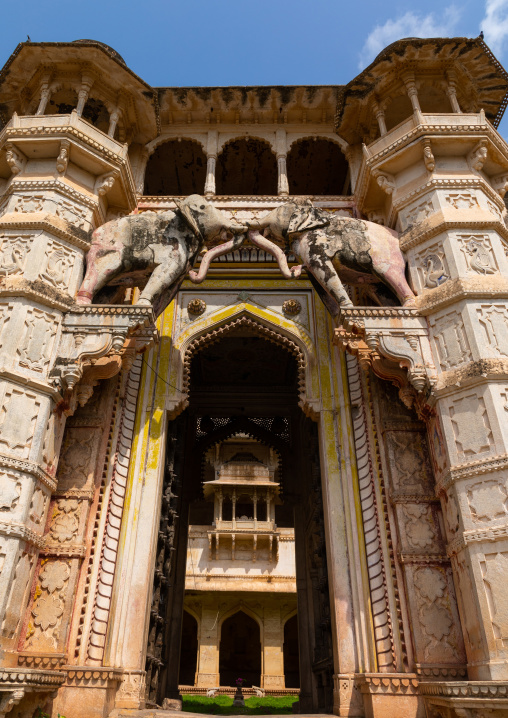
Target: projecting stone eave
point(31, 59)
point(482, 81)
point(263, 104)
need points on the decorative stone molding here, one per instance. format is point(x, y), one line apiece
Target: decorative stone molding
point(93, 677)
point(465, 699)
point(48, 222)
point(103, 594)
point(494, 533)
point(388, 684)
point(470, 469)
point(96, 341)
point(396, 334)
point(383, 632)
point(20, 531)
point(29, 467)
point(30, 679)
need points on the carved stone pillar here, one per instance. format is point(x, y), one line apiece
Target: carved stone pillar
point(84, 91)
point(211, 160)
point(46, 222)
point(409, 81)
point(282, 177)
point(456, 243)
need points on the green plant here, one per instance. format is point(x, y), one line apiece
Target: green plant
point(223, 705)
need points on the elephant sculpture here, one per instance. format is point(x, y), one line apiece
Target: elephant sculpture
point(333, 248)
point(158, 249)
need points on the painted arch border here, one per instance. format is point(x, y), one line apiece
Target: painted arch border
point(267, 318)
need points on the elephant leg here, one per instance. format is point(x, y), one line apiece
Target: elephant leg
point(161, 279)
point(99, 271)
point(396, 280)
point(328, 278)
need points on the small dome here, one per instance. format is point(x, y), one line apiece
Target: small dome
point(108, 49)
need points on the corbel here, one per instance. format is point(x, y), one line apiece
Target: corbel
point(500, 184)
point(63, 157)
point(428, 156)
point(478, 156)
point(15, 159)
point(105, 182)
point(385, 181)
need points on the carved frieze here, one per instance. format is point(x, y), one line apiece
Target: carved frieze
point(18, 417)
point(48, 607)
point(494, 571)
point(471, 426)
point(451, 340)
point(494, 320)
point(478, 254)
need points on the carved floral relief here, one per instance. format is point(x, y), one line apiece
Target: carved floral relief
point(442, 642)
point(48, 607)
point(494, 571)
point(471, 427)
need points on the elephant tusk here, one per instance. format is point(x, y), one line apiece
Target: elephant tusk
point(198, 277)
point(276, 252)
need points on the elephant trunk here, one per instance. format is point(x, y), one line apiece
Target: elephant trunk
point(259, 241)
point(218, 251)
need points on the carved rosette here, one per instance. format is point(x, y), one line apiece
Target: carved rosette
point(292, 307)
point(196, 307)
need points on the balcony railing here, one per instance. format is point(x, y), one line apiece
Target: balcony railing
point(37, 126)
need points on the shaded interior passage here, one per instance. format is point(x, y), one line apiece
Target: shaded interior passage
point(189, 650)
point(291, 662)
point(240, 651)
point(246, 166)
point(317, 167)
point(176, 168)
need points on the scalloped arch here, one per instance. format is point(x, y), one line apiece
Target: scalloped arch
point(215, 334)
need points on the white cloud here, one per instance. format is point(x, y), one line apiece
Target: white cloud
point(411, 25)
point(495, 24)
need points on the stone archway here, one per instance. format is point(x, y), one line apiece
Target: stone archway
point(291, 662)
point(189, 650)
point(240, 650)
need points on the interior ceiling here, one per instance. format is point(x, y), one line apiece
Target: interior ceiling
point(246, 166)
point(243, 362)
point(317, 167)
point(176, 168)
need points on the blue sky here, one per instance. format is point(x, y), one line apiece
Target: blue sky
point(235, 42)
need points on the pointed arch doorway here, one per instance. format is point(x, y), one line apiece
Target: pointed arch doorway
point(240, 650)
point(245, 380)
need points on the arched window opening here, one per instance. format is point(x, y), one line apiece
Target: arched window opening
point(244, 508)
point(227, 509)
point(176, 168)
point(248, 167)
point(240, 650)
point(189, 650)
point(317, 167)
point(434, 100)
point(291, 653)
point(96, 113)
point(399, 109)
point(261, 510)
point(62, 102)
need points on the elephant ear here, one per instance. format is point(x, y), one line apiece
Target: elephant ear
point(306, 218)
point(185, 212)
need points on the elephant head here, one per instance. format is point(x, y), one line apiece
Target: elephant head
point(208, 223)
point(292, 217)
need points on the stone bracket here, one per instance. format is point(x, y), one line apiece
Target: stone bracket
point(394, 343)
point(97, 341)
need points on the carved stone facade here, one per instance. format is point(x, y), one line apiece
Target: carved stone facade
point(389, 421)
